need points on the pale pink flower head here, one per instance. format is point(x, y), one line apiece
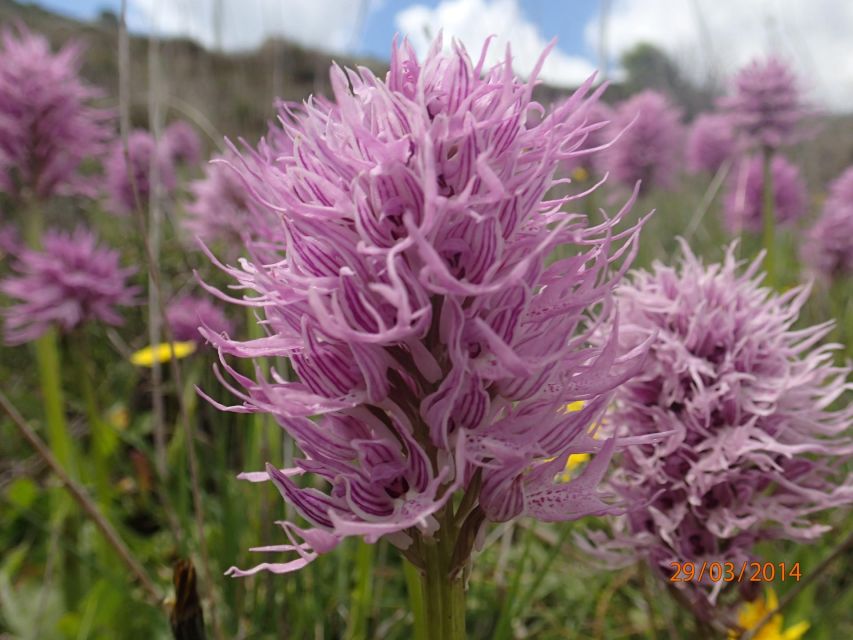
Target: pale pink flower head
point(766, 103)
point(710, 143)
point(182, 143)
point(71, 280)
point(48, 126)
point(187, 313)
point(649, 147)
point(744, 201)
point(435, 345)
point(129, 180)
point(828, 246)
point(754, 447)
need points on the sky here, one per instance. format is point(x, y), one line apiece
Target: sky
point(709, 38)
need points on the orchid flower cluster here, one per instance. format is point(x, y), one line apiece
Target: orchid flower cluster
point(183, 146)
point(744, 199)
point(649, 150)
point(755, 446)
point(186, 313)
point(223, 214)
point(129, 183)
point(711, 143)
point(72, 280)
point(435, 348)
point(48, 126)
point(766, 103)
point(828, 247)
point(766, 107)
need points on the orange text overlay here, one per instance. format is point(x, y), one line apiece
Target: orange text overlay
point(734, 572)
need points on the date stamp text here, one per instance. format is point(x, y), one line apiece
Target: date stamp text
point(734, 572)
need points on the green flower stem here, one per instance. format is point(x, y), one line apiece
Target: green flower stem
point(48, 363)
point(362, 593)
point(50, 380)
point(503, 626)
point(103, 438)
point(443, 593)
point(416, 601)
point(768, 216)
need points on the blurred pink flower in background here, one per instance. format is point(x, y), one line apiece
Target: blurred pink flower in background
point(828, 246)
point(766, 103)
point(650, 146)
point(48, 128)
point(745, 197)
point(128, 172)
point(70, 281)
point(710, 142)
point(182, 143)
point(187, 313)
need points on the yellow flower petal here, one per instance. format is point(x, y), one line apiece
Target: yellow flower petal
point(771, 599)
point(575, 460)
point(162, 352)
point(796, 632)
point(751, 613)
point(577, 405)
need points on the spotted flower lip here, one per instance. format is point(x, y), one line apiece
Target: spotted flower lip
point(828, 247)
point(434, 343)
point(766, 103)
point(756, 446)
point(744, 200)
point(48, 126)
point(70, 281)
point(649, 147)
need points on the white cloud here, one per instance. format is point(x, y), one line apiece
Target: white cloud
point(718, 36)
point(329, 25)
point(472, 21)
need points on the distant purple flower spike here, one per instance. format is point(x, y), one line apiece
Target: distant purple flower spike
point(710, 143)
point(47, 126)
point(754, 449)
point(187, 313)
point(182, 143)
point(649, 147)
point(223, 211)
point(69, 282)
point(435, 350)
point(745, 197)
point(766, 103)
point(828, 247)
point(129, 172)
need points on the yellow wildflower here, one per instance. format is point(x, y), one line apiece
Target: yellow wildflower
point(751, 613)
point(162, 353)
point(580, 174)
